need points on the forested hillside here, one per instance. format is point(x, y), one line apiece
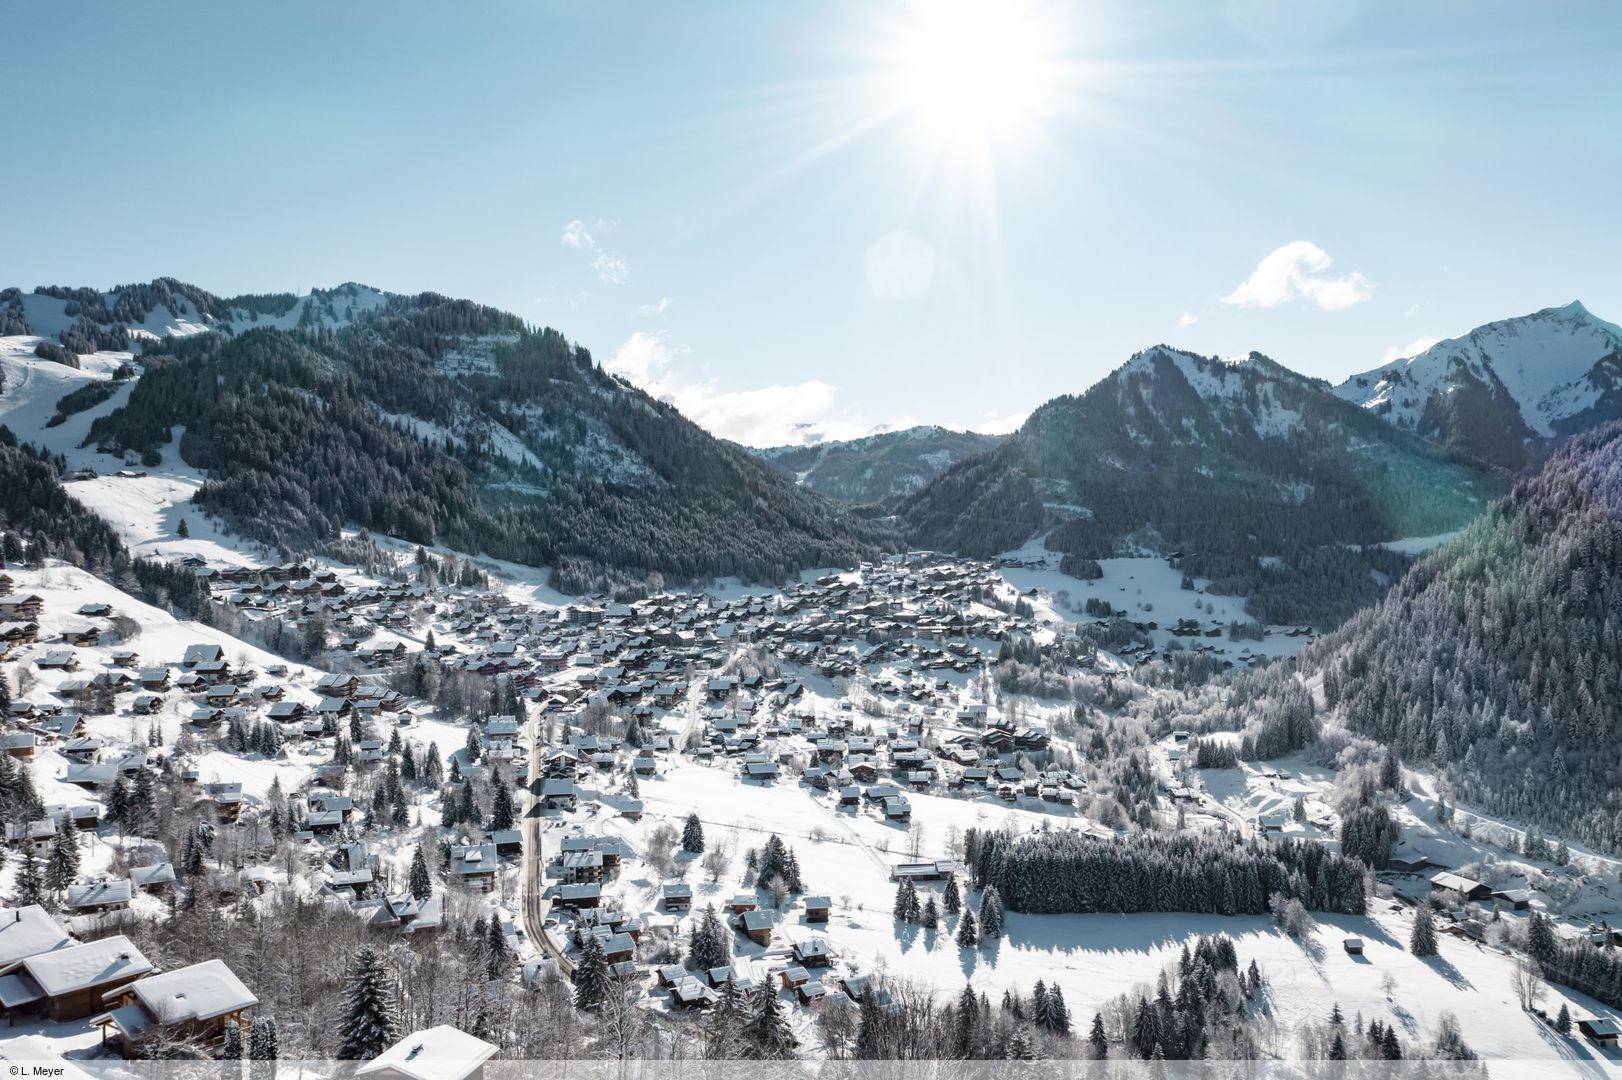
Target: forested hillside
point(1498, 659)
point(441, 421)
point(1263, 478)
point(877, 467)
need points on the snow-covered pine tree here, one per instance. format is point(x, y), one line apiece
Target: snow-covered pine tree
point(62, 866)
point(1422, 942)
point(692, 835)
point(370, 1020)
point(422, 884)
point(967, 934)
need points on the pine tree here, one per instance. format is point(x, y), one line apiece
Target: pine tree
point(1096, 1036)
point(1337, 1048)
point(967, 936)
point(502, 811)
point(496, 946)
point(591, 978)
point(422, 884)
point(262, 1040)
point(30, 883)
point(473, 746)
point(951, 899)
point(231, 1048)
point(1422, 942)
point(991, 912)
point(692, 835)
point(1562, 1020)
point(930, 919)
point(968, 1020)
point(1540, 941)
point(370, 1022)
point(63, 865)
point(769, 1027)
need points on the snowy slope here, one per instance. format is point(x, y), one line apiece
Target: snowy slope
point(1552, 366)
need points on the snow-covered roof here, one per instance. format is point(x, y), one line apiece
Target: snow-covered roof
point(437, 1053)
point(97, 963)
point(198, 992)
point(29, 931)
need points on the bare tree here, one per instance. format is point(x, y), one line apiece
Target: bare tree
point(1527, 980)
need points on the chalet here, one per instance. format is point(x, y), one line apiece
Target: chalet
point(154, 678)
point(756, 926)
point(817, 909)
point(437, 1053)
point(506, 841)
point(1465, 887)
point(1512, 899)
point(19, 744)
point(159, 877)
point(585, 895)
point(19, 633)
point(1600, 1030)
point(741, 903)
point(689, 993)
point(813, 953)
point(938, 870)
point(193, 1003)
point(474, 866)
point(202, 654)
point(558, 794)
point(1353, 946)
point(22, 608)
point(70, 983)
point(677, 896)
point(101, 894)
point(24, 932)
point(57, 660)
point(811, 991)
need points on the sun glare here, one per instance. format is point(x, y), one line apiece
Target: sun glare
point(969, 72)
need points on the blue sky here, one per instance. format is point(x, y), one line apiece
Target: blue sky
point(798, 218)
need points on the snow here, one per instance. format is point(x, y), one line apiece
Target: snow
point(27, 932)
point(62, 971)
point(437, 1053)
point(1543, 361)
point(196, 992)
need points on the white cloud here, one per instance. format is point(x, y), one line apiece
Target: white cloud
point(657, 308)
point(774, 415)
point(1187, 319)
point(1298, 271)
point(1413, 348)
point(611, 268)
point(1001, 425)
point(899, 266)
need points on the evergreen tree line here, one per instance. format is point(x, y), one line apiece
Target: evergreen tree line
point(1065, 871)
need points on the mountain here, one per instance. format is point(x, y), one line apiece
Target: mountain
point(1498, 658)
point(438, 421)
point(877, 467)
point(1260, 476)
point(1502, 392)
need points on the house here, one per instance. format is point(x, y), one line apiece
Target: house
point(689, 993)
point(756, 926)
point(1353, 946)
point(27, 931)
point(194, 1003)
point(102, 894)
point(585, 895)
point(1465, 887)
point(475, 865)
point(202, 654)
point(155, 878)
point(1512, 899)
point(677, 896)
point(1600, 1030)
point(817, 909)
point(69, 984)
point(437, 1053)
point(813, 953)
point(558, 793)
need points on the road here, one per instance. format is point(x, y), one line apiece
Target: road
point(532, 883)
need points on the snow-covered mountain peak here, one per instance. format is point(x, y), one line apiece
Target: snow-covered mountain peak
point(1549, 366)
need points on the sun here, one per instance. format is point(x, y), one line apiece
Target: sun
point(965, 74)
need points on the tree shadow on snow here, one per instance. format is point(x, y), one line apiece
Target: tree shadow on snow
point(1446, 970)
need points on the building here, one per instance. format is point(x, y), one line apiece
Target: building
point(194, 1003)
point(70, 983)
point(436, 1053)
